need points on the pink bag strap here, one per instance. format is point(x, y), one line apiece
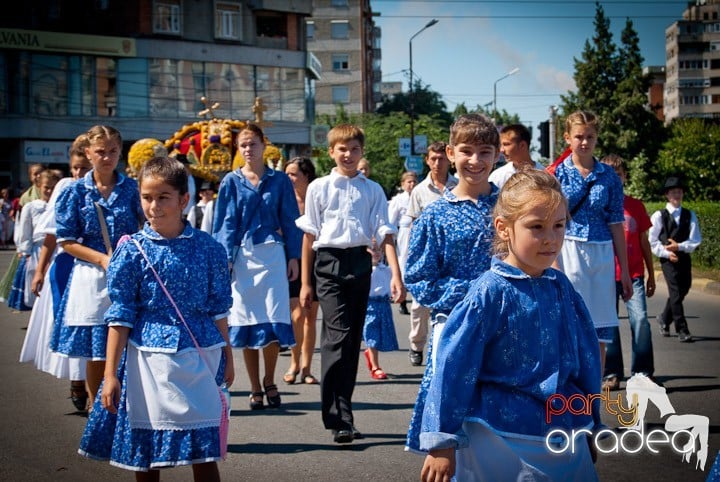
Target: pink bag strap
point(201, 351)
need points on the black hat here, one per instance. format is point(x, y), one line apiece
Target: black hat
point(206, 185)
point(671, 183)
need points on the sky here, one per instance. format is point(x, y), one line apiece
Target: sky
point(477, 42)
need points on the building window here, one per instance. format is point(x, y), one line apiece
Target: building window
point(166, 17)
point(339, 3)
point(228, 21)
point(340, 95)
point(340, 62)
point(310, 30)
point(339, 29)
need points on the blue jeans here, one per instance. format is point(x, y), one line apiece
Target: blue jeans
point(642, 351)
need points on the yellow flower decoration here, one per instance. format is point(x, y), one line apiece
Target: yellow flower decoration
point(142, 151)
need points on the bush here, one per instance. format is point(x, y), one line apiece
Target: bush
point(707, 256)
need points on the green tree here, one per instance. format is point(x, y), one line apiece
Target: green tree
point(634, 130)
point(610, 83)
point(382, 133)
point(692, 152)
point(596, 76)
point(427, 102)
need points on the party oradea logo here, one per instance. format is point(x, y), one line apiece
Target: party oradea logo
point(687, 434)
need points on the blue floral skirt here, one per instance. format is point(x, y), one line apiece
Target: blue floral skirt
point(109, 437)
point(17, 292)
point(379, 328)
point(260, 336)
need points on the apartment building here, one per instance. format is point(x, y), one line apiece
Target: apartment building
point(692, 47)
point(343, 36)
point(142, 66)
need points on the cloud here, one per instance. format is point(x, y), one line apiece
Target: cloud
point(551, 79)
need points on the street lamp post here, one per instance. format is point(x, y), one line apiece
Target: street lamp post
point(412, 93)
point(512, 72)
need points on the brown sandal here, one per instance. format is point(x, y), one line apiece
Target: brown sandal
point(310, 380)
point(290, 377)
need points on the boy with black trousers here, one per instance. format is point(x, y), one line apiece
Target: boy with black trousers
point(675, 234)
point(344, 212)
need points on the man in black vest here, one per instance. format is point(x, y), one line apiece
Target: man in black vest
point(675, 234)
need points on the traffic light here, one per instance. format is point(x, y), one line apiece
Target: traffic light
point(545, 139)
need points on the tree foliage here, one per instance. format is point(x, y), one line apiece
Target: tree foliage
point(382, 133)
point(693, 153)
point(610, 83)
point(426, 102)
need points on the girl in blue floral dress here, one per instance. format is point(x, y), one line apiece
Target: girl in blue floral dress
point(522, 336)
point(91, 215)
point(255, 213)
point(595, 233)
point(379, 328)
point(450, 242)
point(159, 404)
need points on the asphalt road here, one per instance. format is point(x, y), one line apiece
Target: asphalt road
point(40, 431)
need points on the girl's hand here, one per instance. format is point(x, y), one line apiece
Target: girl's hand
point(229, 370)
point(110, 395)
point(306, 296)
point(36, 284)
point(439, 466)
point(397, 290)
point(293, 270)
point(105, 261)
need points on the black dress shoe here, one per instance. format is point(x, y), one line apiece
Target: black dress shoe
point(664, 330)
point(415, 358)
point(356, 433)
point(403, 308)
point(342, 436)
point(685, 337)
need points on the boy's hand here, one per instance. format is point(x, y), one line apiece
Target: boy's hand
point(627, 287)
point(439, 466)
point(650, 287)
point(672, 246)
point(673, 257)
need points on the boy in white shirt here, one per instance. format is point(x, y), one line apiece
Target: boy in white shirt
point(344, 212)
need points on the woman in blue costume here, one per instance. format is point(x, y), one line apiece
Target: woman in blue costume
point(159, 404)
point(104, 197)
point(255, 215)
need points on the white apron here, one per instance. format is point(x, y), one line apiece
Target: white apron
point(172, 391)
point(260, 288)
point(87, 295)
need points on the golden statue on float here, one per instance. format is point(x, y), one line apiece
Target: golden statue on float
point(208, 144)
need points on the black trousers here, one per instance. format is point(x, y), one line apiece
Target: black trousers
point(678, 277)
point(342, 286)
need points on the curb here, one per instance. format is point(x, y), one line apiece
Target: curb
point(704, 285)
point(707, 286)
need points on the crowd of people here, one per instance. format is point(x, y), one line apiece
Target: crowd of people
point(141, 288)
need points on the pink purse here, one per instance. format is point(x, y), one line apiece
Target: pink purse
point(222, 390)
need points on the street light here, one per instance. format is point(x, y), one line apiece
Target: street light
point(512, 72)
point(412, 94)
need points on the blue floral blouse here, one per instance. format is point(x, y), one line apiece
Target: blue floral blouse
point(450, 245)
point(247, 214)
point(513, 342)
point(195, 271)
point(602, 207)
point(77, 218)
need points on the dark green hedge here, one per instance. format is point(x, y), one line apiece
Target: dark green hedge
point(708, 253)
